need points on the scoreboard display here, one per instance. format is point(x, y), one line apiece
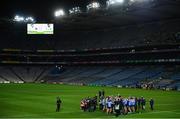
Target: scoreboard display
point(40, 28)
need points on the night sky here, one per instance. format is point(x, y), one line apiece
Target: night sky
point(40, 9)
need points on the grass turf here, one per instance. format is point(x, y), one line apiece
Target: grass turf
point(39, 100)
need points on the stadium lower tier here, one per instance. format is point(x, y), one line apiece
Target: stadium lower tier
point(122, 76)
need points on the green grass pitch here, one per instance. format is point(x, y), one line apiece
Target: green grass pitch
point(39, 100)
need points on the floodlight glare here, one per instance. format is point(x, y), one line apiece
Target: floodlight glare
point(19, 18)
point(59, 13)
point(29, 19)
point(75, 10)
point(94, 5)
point(140, 0)
point(114, 2)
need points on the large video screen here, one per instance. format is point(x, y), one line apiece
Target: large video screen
point(40, 28)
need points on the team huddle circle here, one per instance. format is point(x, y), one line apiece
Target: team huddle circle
point(112, 105)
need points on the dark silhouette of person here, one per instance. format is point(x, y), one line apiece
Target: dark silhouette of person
point(100, 94)
point(103, 93)
point(151, 102)
point(58, 103)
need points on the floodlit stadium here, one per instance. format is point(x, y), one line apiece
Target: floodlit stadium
point(90, 59)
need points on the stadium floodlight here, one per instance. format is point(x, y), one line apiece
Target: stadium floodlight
point(140, 0)
point(29, 19)
point(132, 0)
point(18, 18)
point(94, 5)
point(75, 10)
point(114, 2)
point(59, 13)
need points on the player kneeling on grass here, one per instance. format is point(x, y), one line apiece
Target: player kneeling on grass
point(58, 103)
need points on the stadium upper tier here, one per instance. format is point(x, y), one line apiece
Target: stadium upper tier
point(151, 33)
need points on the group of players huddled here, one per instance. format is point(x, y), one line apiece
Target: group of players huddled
point(117, 105)
point(89, 104)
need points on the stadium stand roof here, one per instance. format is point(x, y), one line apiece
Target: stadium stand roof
point(157, 10)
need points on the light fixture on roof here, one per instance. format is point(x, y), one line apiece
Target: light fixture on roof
point(75, 10)
point(18, 18)
point(114, 2)
point(59, 13)
point(29, 19)
point(141, 0)
point(94, 5)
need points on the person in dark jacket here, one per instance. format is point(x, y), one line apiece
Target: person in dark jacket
point(118, 107)
point(103, 93)
point(58, 103)
point(151, 102)
point(139, 104)
point(143, 103)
